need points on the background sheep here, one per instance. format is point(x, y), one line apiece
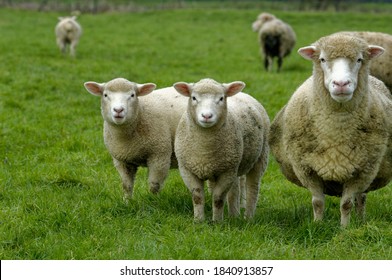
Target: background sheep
point(222, 136)
point(381, 67)
point(276, 38)
point(68, 32)
point(139, 131)
point(334, 135)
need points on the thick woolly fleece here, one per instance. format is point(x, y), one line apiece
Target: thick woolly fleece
point(68, 32)
point(236, 145)
point(270, 29)
point(147, 137)
point(336, 146)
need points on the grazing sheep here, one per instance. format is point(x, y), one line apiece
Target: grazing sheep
point(276, 38)
point(334, 135)
point(223, 135)
point(381, 67)
point(68, 32)
point(138, 128)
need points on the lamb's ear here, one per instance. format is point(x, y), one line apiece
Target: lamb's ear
point(144, 89)
point(307, 52)
point(94, 88)
point(183, 88)
point(233, 88)
point(375, 51)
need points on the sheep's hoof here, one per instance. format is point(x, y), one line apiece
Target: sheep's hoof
point(155, 188)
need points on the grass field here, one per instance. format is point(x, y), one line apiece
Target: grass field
point(60, 196)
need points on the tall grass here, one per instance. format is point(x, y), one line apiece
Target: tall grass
point(60, 196)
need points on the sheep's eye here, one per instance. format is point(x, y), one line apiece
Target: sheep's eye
point(221, 99)
point(194, 98)
point(132, 95)
point(359, 60)
point(105, 95)
point(322, 60)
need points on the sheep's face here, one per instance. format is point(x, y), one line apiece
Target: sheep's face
point(207, 100)
point(340, 75)
point(119, 99)
point(340, 59)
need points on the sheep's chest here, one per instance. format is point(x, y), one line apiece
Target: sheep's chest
point(336, 150)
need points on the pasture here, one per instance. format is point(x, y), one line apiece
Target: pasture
point(61, 197)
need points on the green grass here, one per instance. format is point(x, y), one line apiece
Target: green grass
point(60, 196)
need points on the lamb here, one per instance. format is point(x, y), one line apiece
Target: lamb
point(138, 130)
point(380, 67)
point(68, 32)
point(222, 136)
point(334, 136)
point(277, 39)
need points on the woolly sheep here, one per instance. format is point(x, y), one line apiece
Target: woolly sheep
point(68, 32)
point(334, 135)
point(381, 67)
point(138, 130)
point(277, 39)
point(223, 135)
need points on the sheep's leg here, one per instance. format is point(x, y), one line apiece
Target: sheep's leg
point(72, 48)
point(243, 191)
point(61, 45)
point(196, 187)
point(280, 62)
point(346, 204)
point(360, 205)
point(318, 203)
point(266, 63)
point(233, 199)
point(221, 187)
point(157, 173)
point(127, 174)
point(253, 187)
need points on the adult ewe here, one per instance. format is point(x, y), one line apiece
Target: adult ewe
point(139, 131)
point(68, 32)
point(334, 135)
point(223, 135)
point(381, 67)
point(276, 38)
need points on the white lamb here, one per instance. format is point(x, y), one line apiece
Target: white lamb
point(68, 32)
point(334, 135)
point(381, 67)
point(277, 39)
point(139, 128)
point(223, 135)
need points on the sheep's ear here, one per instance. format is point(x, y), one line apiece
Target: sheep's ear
point(94, 88)
point(256, 25)
point(233, 88)
point(145, 89)
point(375, 51)
point(183, 88)
point(307, 52)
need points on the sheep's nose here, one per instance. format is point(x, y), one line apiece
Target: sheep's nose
point(341, 83)
point(118, 110)
point(206, 115)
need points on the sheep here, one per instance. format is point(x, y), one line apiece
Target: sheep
point(380, 67)
point(276, 38)
point(221, 137)
point(333, 137)
point(68, 32)
point(138, 130)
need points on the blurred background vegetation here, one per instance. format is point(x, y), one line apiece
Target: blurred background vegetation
point(99, 6)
